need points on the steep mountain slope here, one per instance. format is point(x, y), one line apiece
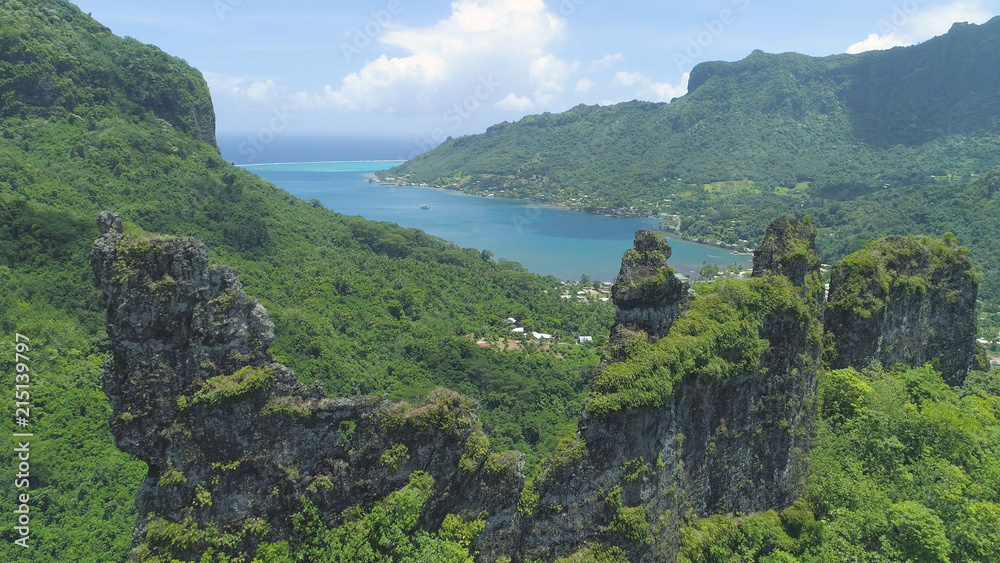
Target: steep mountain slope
point(837, 137)
point(92, 122)
point(704, 407)
point(52, 61)
point(843, 122)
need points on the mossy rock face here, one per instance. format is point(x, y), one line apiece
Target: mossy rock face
point(719, 337)
point(788, 249)
point(648, 296)
point(223, 388)
point(237, 438)
point(904, 300)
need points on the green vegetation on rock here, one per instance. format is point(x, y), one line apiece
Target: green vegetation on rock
point(386, 533)
point(903, 468)
point(717, 338)
point(224, 388)
point(89, 122)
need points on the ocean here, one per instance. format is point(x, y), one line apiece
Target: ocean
point(544, 239)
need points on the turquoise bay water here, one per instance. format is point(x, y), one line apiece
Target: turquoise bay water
point(544, 239)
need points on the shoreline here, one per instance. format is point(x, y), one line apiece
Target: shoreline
point(314, 162)
point(372, 175)
point(728, 249)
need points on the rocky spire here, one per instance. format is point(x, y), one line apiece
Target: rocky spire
point(232, 438)
point(904, 300)
point(648, 296)
point(788, 249)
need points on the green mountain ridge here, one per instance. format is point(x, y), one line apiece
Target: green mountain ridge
point(835, 137)
point(860, 121)
point(362, 307)
point(903, 466)
point(55, 62)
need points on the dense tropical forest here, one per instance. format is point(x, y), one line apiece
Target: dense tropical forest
point(904, 468)
point(362, 307)
point(836, 137)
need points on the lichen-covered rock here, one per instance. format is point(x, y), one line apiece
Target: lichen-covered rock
point(233, 440)
point(788, 249)
point(648, 296)
point(904, 300)
point(703, 405)
point(712, 416)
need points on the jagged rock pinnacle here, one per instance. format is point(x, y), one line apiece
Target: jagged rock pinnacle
point(648, 296)
point(232, 437)
point(788, 249)
point(904, 300)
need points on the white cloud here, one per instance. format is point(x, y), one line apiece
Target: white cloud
point(257, 93)
point(549, 75)
point(262, 91)
point(446, 60)
point(584, 86)
point(515, 103)
point(645, 88)
point(907, 27)
point(604, 62)
point(876, 42)
point(219, 83)
point(629, 78)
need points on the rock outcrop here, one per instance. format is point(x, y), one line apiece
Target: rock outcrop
point(788, 249)
point(233, 440)
point(704, 404)
point(714, 416)
point(904, 300)
point(648, 296)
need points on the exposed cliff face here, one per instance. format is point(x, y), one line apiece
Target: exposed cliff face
point(648, 296)
point(232, 438)
point(670, 433)
point(704, 404)
point(788, 249)
point(904, 300)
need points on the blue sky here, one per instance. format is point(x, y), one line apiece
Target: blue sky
point(428, 69)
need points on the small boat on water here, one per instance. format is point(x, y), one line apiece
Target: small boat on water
point(425, 206)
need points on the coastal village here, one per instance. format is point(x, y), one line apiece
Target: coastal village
point(512, 334)
point(516, 337)
point(516, 334)
point(490, 186)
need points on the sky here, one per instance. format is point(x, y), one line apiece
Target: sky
point(428, 69)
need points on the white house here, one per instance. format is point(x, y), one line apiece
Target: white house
point(510, 321)
point(519, 329)
point(541, 336)
point(586, 339)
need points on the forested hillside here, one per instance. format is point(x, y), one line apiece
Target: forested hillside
point(90, 121)
point(770, 134)
point(903, 466)
point(845, 124)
